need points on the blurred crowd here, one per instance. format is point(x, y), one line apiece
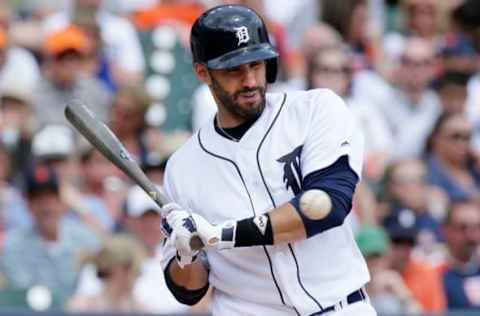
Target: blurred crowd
point(76, 234)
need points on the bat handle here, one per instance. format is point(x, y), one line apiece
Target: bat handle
point(196, 243)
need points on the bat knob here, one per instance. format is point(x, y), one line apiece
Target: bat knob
point(196, 243)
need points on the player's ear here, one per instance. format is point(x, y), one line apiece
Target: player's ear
point(202, 72)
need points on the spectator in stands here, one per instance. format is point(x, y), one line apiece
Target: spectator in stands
point(332, 68)
point(422, 279)
point(452, 90)
point(387, 290)
point(416, 107)
point(102, 189)
point(461, 278)
point(46, 253)
point(16, 63)
point(421, 18)
point(465, 16)
point(55, 145)
point(127, 118)
point(458, 54)
point(13, 208)
point(98, 64)
point(350, 19)
point(161, 147)
point(411, 200)
point(451, 163)
point(119, 37)
point(118, 263)
point(17, 121)
point(316, 37)
point(65, 78)
point(142, 220)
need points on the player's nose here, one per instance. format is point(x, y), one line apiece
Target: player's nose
point(249, 78)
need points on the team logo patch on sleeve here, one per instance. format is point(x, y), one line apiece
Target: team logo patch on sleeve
point(292, 173)
point(261, 223)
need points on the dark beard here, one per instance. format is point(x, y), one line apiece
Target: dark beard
point(228, 101)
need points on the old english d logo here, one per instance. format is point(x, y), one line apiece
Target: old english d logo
point(242, 34)
point(292, 174)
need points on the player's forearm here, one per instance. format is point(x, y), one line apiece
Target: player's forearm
point(308, 214)
point(287, 225)
point(192, 277)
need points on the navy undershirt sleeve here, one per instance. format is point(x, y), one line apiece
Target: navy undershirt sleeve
point(338, 181)
point(182, 294)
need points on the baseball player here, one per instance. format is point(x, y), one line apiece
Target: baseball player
point(266, 185)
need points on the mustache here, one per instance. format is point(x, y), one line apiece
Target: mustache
point(247, 90)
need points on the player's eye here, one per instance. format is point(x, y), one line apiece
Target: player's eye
point(255, 64)
point(233, 69)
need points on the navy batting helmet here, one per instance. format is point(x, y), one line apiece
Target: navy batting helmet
point(227, 36)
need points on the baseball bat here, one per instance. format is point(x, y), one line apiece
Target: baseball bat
point(103, 139)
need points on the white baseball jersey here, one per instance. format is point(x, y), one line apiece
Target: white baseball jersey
point(297, 133)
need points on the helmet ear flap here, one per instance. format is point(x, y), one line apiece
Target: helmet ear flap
point(272, 69)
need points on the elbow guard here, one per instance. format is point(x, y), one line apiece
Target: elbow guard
point(327, 197)
point(319, 211)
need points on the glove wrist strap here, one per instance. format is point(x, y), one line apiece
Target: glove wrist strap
point(254, 231)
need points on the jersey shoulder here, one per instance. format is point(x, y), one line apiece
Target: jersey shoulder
point(314, 97)
point(315, 103)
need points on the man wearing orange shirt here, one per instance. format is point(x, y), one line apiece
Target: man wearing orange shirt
point(423, 280)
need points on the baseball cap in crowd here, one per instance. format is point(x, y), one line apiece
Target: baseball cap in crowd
point(70, 38)
point(40, 177)
point(401, 226)
point(371, 240)
point(15, 88)
point(138, 202)
point(404, 235)
point(54, 141)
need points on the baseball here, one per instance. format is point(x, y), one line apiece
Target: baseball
point(315, 204)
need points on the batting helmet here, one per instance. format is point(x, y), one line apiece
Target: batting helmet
point(227, 36)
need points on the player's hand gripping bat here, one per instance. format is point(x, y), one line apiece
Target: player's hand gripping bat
point(103, 139)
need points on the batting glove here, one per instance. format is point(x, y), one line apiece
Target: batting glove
point(183, 228)
point(219, 237)
point(165, 226)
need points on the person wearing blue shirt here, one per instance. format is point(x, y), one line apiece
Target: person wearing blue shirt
point(461, 279)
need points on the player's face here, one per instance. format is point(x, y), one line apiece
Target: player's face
point(240, 90)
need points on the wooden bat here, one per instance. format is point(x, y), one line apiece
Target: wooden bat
point(103, 139)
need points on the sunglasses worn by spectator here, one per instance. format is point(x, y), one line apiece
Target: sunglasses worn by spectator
point(332, 70)
point(409, 180)
point(416, 62)
point(459, 136)
point(463, 227)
